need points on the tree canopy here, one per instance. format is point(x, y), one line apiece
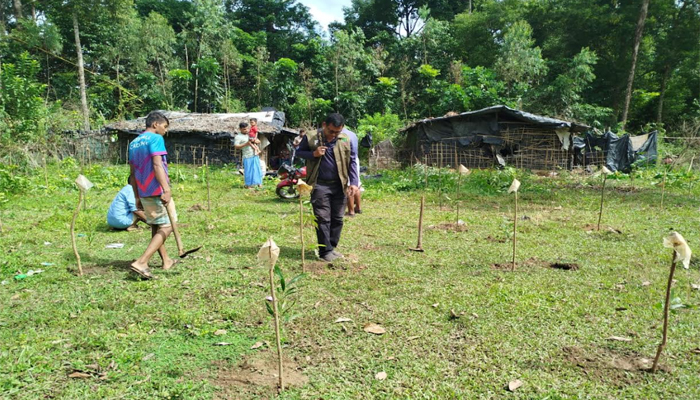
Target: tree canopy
point(406, 59)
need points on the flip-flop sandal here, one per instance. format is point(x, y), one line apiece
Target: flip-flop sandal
point(175, 262)
point(145, 274)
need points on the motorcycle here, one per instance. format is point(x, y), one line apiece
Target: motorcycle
point(289, 175)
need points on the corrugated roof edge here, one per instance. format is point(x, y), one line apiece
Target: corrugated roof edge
point(518, 114)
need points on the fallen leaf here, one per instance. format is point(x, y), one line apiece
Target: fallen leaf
point(318, 303)
point(339, 320)
point(222, 344)
point(619, 339)
point(93, 367)
point(436, 305)
point(374, 328)
point(646, 283)
point(380, 376)
point(257, 345)
point(694, 286)
point(15, 297)
point(208, 259)
point(453, 314)
point(79, 375)
point(475, 315)
point(695, 350)
point(148, 357)
point(408, 339)
point(514, 385)
point(220, 332)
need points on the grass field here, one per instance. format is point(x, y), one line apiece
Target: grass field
point(457, 326)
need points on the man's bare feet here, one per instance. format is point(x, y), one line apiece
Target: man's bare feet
point(170, 263)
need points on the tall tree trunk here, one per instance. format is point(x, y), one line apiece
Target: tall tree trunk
point(635, 52)
point(17, 5)
point(662, 94)
point(81, 75)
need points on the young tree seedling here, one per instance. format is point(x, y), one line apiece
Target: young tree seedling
point(514, 189)
point(605, 172)
point(84, 185)
point(681, 252)
point(268, 254)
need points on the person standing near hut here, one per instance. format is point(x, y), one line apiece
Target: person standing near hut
point(331, 169)
point(251, 162)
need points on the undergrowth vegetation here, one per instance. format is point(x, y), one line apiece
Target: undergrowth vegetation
point(456, 324)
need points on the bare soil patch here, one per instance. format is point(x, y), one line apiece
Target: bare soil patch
point(492, 239)
point(535, 262)
point(607, 364)
point(529, 263)
point(196, 207)
point(256, 377)
point(604, 229)
point(564, 266)
point(350, 263)
point(450, 226)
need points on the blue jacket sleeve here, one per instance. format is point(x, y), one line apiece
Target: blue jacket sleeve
point(304, 151)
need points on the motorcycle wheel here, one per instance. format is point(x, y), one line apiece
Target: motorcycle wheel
point(287, 192)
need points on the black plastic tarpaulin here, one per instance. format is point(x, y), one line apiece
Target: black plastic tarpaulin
point(621, 152)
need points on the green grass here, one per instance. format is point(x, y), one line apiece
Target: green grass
point(544, 326)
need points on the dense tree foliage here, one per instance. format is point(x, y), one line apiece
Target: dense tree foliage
point(387, 62)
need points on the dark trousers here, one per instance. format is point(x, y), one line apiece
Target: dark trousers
point(328, 201)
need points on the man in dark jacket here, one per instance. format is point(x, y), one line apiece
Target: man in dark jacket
point(331, 165)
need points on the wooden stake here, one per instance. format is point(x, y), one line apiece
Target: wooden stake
point(663, 190)
point(602, 196)
point(208, 191)
point(459, 192)
point(515, 226)
point(419, 246)
point(177, 161)
point(277, 321)
point(666, 307)
point(46, 175)
point(72, 232)
point(301, 233)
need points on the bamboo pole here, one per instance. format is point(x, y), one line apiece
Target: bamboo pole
point(72, 232)
point(666, 308)
point(46, 175)
point(515, 226)
point(208, 190)
point(602, 197)
point(301, 233)
point(277, 321)
point(663, 190)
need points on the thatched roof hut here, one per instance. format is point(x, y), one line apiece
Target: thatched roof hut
point(194, 137)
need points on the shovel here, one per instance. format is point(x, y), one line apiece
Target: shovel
point(180, 250)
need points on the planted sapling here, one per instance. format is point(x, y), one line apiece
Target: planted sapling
point(84, 185)
point(268, 254)
point(605, 172)
point(681, 252)
point(514, 189)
